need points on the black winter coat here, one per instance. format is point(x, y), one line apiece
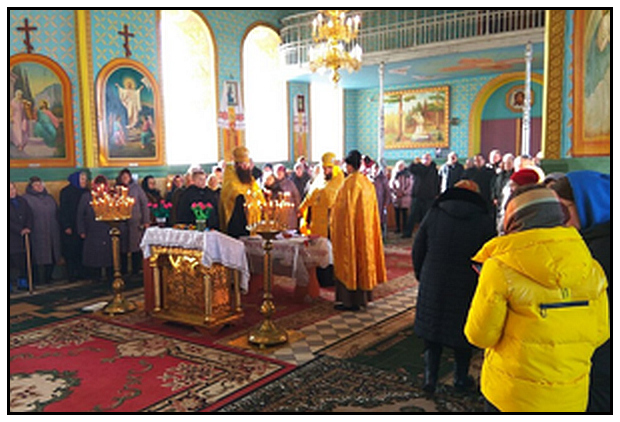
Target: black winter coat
point(598, 239)
point(455, 228)
point(20, 217)
point(67, 216)
point(195, 194)
point(426, 180)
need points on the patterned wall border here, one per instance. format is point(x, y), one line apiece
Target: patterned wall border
point(553, 84)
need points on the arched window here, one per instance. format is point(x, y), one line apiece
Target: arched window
point(264, 93)
point(326, 109)
point(190, 107)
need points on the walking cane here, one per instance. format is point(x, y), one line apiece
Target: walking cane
point(28, 261)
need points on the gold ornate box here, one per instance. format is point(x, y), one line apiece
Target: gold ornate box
point(178, 287)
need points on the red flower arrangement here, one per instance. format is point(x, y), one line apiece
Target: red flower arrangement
point(202, 211)
point(161, 209)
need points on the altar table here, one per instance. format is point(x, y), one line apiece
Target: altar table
point(194, 277)
point(295, 257)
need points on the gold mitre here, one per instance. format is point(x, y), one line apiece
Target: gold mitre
point(241, 154)
point(328, 159)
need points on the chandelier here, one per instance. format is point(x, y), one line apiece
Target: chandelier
point(335, 46)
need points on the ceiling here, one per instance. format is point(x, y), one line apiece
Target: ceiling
point(442, 67)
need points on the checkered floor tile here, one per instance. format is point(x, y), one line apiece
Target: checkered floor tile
point(327, 332)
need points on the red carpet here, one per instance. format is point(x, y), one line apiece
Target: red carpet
point(85, 365)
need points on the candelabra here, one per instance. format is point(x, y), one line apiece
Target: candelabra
point(335, 44)
point(267, 219)
point(114, 206)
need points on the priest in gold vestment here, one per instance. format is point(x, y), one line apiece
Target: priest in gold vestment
point(359, 262)
point(238, 189)
point(321, 197)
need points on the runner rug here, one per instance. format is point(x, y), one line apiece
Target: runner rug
point(88, 365)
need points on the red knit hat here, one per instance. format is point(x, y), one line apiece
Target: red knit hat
point(525, 176)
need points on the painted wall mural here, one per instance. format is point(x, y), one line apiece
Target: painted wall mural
point(417, 118)
point(40, 113)
point(592, 87)
point(128, 115)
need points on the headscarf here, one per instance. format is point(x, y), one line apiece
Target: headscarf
point(531, 207)
point(591, 191)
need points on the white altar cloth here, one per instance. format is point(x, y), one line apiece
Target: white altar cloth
point(294, 256)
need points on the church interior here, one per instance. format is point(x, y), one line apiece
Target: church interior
point(185, 318)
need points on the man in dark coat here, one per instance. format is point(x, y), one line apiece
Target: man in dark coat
point(455, 228)
point(450, 172)
point(45, 236)
point(483, 175)
point(198, 192)
point(587, 197)
point(97, 249)
point(425, 190)
point(20, 224)
point(70, 240)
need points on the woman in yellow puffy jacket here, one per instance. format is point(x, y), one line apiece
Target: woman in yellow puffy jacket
point(540, 309)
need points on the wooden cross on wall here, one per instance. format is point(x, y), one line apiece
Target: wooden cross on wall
point(27, 28)
point(125, 33)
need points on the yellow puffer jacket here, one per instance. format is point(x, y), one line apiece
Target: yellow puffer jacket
point(540, 310)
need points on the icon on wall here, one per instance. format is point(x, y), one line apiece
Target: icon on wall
point(40, 113)
point(515, 99)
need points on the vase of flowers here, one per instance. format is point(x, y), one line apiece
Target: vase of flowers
point(202, 212)
point(161, 211)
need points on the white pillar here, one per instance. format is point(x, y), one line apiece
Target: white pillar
point(527, 106)
point(381, 132)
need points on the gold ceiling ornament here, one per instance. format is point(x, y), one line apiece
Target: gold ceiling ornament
point(335, 43)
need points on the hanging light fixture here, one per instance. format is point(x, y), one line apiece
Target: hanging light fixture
point(335, 43)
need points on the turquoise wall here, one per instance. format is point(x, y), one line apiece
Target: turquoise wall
point(496, 108)
point(361, 110)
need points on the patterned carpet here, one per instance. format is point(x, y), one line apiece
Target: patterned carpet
point(62, 360)
point(85, 365)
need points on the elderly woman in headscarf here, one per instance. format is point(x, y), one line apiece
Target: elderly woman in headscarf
point(70, 240)
point(97, 245)
point(540, 309)
point(587, 197)
point(45, 236)
point(20, 224)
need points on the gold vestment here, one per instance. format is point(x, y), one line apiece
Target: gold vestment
point(321, 198)
point(359, 261)
point(231, 188)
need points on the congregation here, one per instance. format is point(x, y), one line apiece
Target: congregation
point(489, 213)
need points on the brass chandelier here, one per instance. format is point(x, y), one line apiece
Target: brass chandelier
point(335, 43)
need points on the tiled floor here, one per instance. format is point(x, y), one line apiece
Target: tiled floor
point(327, 332)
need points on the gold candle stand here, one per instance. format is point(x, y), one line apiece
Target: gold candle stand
point(267, 333)
point(118, 304)
point(113, 206)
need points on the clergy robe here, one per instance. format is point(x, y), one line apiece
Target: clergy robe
point(359, 262)
point(233, 197)
point(320, 199)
